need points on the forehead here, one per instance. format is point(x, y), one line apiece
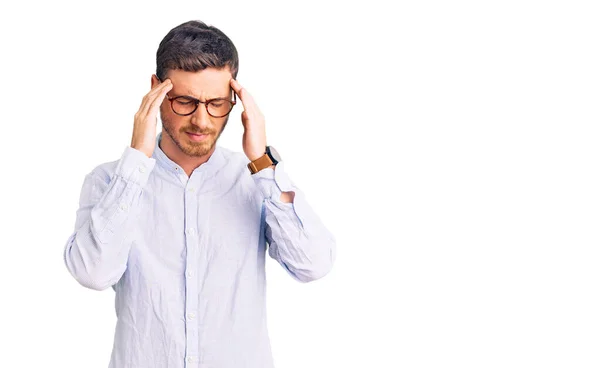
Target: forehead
point(204, 84)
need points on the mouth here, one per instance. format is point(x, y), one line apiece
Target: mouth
point(196, 137)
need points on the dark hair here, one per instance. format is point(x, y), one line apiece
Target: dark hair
point(193, 46)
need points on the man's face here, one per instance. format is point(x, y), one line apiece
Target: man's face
point(203, 85)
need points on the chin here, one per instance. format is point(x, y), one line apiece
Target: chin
point(196, 149)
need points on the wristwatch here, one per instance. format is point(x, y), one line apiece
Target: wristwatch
point(271, 157)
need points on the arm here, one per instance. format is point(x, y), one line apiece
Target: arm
point(297, 238)
point(96, 253)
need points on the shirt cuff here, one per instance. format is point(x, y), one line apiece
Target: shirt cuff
point(134, 166)
point(273, 182)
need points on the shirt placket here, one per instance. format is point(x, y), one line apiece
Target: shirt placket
point(191, 273)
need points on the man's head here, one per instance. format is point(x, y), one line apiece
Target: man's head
point(200, 60)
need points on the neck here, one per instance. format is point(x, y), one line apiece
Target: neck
point(187, 163)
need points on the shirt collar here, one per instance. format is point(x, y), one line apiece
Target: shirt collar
point(214, 162)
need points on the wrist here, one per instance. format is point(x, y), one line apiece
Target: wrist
point(145, 152)
point(268, 159)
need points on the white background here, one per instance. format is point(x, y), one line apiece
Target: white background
point(451, 147)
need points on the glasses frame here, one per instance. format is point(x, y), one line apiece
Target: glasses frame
point(198, 102)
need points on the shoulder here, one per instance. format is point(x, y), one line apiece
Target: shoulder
point(234, 159)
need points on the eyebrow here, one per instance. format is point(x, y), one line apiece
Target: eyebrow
point(190, 94)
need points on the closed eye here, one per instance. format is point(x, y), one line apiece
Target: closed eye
point(185, 100)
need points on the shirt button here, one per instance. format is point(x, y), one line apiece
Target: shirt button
point(142, 169)
point(190, 359)
point(124, 206)
point(189, 273)
point(191, 315)
point(190, 190)
point(191, 231)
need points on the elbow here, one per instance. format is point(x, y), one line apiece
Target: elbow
point(306, 276)
point(93, 283)
point(319, 268)
point(86, 275)
point(91, 280)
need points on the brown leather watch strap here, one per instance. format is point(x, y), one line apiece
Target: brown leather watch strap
point(260, 163)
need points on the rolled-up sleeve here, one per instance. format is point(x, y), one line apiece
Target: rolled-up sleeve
point(96, 253)
point(297, 237)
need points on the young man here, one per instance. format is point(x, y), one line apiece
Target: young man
point(179, 225)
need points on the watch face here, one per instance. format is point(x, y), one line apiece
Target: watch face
point(274, 154)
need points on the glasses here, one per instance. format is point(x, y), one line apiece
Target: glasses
point(187, 105)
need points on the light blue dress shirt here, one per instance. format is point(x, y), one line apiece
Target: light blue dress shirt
point(186, 255)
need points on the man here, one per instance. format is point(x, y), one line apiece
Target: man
point(179, 225)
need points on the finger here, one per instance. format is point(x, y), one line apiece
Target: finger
point(244, 118)
point(156, 90)
point(146, 101)
point(247, 99)
point(236, 86)
point(157, 100)
point(157, 93)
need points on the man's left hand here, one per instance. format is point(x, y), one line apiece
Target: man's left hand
point(254, 141)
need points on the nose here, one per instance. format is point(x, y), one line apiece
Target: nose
point(201, 118)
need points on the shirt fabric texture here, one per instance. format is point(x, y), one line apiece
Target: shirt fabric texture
point(185, 256)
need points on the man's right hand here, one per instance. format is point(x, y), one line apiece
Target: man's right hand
point(144, 123)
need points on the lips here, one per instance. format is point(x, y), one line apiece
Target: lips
point(196, 137)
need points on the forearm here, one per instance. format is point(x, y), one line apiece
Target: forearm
point(298, 239)
point(96, 253)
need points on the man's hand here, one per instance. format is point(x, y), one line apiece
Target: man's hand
point(254, 140)
point(144, 123)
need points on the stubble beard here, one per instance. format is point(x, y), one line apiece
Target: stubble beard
point(194, 149)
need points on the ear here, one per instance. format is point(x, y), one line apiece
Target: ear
point(154, 81)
